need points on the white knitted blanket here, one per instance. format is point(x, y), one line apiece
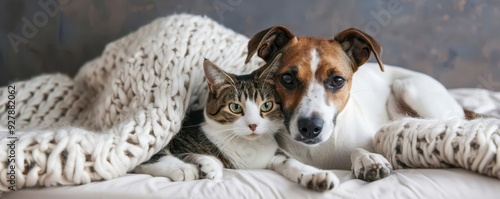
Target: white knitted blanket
point(425, 143)
point(119, 110)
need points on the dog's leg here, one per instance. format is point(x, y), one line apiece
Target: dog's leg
point(305, 175)
point(170, 167)
point(369, 166)
point(425, 96)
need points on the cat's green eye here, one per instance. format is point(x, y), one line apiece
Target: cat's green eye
point(267, 106)
point(235, 108)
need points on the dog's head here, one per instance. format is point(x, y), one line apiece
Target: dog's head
point(314, 77)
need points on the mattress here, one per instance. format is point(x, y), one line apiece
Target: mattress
point(405, 183)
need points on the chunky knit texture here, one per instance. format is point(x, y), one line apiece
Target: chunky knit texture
point(421, 143)
point(121, 107)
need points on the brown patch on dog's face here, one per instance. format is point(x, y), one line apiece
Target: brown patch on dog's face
point(314, 77)
point(335, 64)
point(296, 61)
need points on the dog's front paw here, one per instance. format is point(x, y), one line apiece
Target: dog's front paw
point(370, 167)
point(319, 181)
point(210, 168)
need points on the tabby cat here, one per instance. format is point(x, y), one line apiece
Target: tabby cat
point(241, 117)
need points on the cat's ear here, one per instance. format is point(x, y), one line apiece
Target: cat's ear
point(215, 75)
point(269, 70)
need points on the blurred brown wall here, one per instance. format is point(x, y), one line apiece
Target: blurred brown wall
point(455, 41)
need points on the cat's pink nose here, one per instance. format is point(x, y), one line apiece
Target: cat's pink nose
point(252, 127)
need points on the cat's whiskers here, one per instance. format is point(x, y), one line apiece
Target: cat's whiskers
point(271, 136)
point(229, 138)
point(196, 125)
point(199, 144)
point(223, 140)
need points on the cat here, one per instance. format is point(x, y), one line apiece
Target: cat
point(241, 117)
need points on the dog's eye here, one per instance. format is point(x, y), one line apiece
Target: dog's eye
point(287, 78)
point(288, 81)
point(337, 82)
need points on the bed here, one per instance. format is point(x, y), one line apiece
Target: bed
point(408, 183)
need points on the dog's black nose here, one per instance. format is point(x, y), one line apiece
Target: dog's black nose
point(310, 127)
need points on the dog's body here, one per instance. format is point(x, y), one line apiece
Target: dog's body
point(332, 110)
point(369, 106)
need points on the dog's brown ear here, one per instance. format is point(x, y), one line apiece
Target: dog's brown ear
point(359, 45)
point(268, 42)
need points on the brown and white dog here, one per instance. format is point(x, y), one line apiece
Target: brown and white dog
point(333, 107)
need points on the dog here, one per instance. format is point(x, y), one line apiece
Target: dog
point(334, 102)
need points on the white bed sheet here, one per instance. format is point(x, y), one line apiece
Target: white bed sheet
point(407, 183)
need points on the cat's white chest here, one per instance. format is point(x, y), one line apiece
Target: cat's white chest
point(246, 154)
point(251, 154)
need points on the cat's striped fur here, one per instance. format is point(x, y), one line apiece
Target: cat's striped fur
point(240, 119)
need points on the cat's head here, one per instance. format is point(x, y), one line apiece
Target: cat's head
point(244, 104)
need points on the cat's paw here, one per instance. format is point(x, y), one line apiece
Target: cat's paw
point(319, 181)
point(185, 172)
point(175, 171)
point(371, 166)
point(210, 168)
